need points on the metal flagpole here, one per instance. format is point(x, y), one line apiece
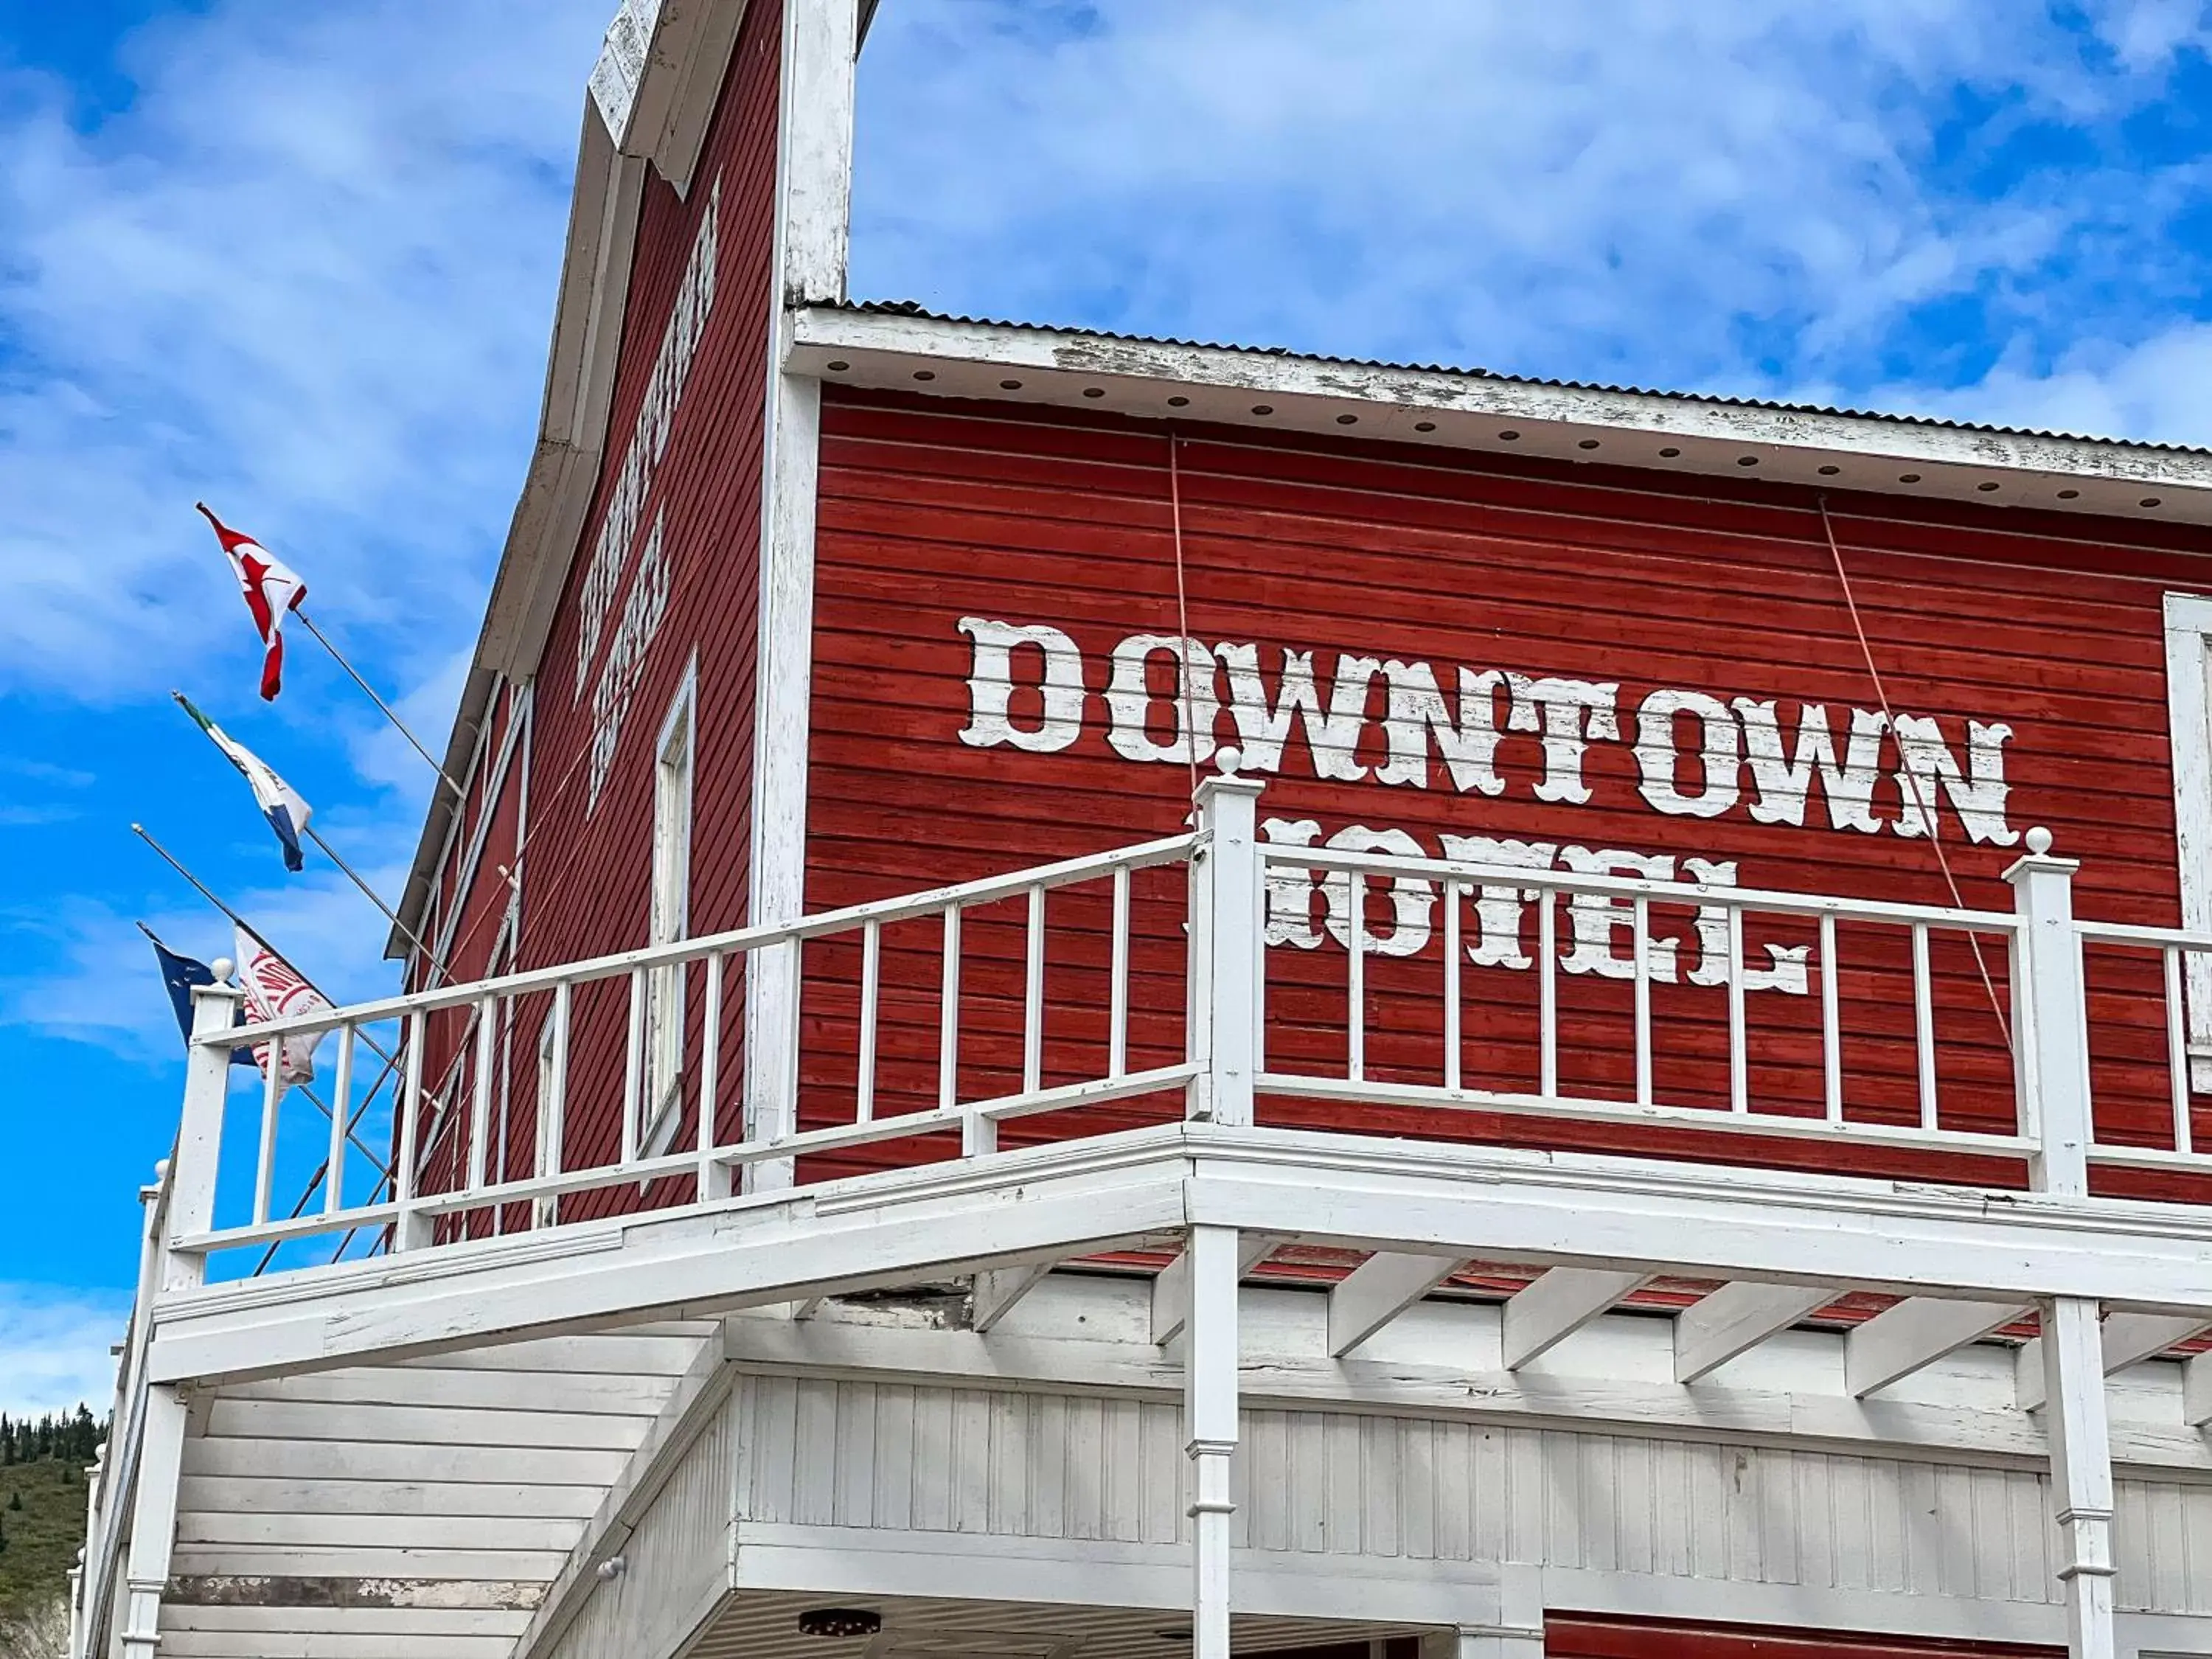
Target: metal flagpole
point(351, 874)
point(437, 968)
point(398, 726)
point(256, 935)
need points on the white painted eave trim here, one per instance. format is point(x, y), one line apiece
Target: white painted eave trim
point(1469, 412)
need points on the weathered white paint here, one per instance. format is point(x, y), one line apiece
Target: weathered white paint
point(1467, 409)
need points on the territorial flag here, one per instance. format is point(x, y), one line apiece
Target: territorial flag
point(274, 990)
point(182, 974)
point(271, 589)
point(285, 808)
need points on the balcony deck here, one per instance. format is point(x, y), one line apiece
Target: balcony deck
point(467, 1385)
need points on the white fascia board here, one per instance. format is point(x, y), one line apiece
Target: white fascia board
point(1779, 1226)
point(1464, 411)
point(1112, 1191)
point(931, 1223)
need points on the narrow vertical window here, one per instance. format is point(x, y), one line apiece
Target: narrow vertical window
point(669, 919)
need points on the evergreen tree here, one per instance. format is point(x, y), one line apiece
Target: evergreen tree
point(16, 1500)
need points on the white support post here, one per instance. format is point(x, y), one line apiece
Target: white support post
point(2051, 1059)
point(1226, 954)
point(2081, 1471)
point(199, 1133)
point(1210, 1424)
point(153, 1520)
point(2049, 1001)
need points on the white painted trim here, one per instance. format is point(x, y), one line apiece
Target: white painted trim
point(663, 1058)
point(1469, 410)
point(1075, 1198)
point(782, 704)
point(814, 161)
point(821, 44)
point(2189, 726)
point(1096, 1572)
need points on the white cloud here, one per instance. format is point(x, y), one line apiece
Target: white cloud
point(1637, 190)
point(307, 273)
point(54, 1348)
point(2158, 389)
point(101, 989)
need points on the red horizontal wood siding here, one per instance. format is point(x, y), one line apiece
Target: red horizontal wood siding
point(933, 511)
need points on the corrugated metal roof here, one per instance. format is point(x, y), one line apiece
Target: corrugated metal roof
point(914, 308)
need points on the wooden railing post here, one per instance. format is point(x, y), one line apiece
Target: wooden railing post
point(1226, 946)
point(2051, 1060)
point(199, 1131)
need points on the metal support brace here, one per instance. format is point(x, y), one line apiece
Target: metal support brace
point(1226, 977)
point(1210, 1422)
point(153, 1518)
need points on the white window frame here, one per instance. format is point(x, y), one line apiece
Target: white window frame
point(668, 914)
point(546, 1153)
point(2188, 716)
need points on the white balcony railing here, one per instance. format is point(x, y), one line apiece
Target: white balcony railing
point(1207, 975)
point(1901, 1031)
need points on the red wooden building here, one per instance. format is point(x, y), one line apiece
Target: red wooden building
point(1112, 994)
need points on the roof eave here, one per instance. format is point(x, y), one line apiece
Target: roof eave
point(1459, 411)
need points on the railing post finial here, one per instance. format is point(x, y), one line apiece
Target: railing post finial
point(1225, 933)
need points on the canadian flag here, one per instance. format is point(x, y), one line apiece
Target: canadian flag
point(271, 589)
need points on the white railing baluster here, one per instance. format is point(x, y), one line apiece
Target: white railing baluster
point(871, 980)
point(2177, 1051)
point(1923, 1023)
point(1739, 1041)
point(1640, 931)
point(406, 1181)
point(948, 1013)
point(1356, 981)
point(264, 1165)
point(480, 1096)
point(1033, 997)
point(1117, 1013)
point(1452, 894)
point(1831, 1034)
point(340, 1108)
point(1547, 995)
point(633, 1125)
point(710, 1183)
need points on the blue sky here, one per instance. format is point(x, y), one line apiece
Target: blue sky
point(299, 260)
